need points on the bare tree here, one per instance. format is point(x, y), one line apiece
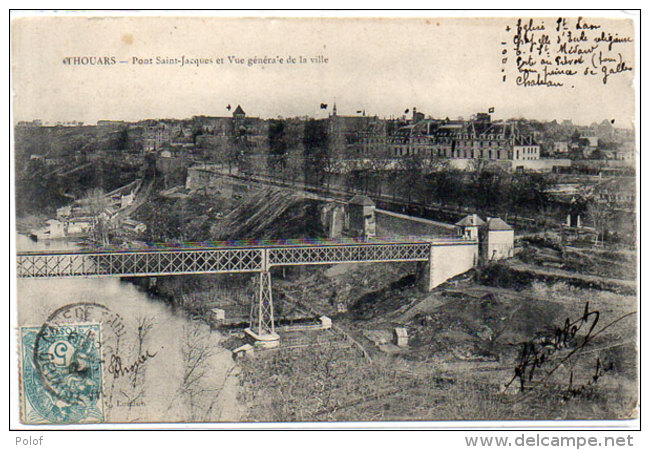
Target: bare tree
point(411, 167)
point(599, 213)
point(96, 204)
point(145, 325)
point(196, 350)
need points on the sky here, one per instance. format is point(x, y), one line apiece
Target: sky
point(446, 67)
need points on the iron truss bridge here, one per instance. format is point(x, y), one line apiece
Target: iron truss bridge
point(218, 258)
point(233, 257)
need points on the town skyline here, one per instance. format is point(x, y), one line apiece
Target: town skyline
point(329, 113)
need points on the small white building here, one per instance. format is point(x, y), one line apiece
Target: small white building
point(56, 228)
point(525, 152)
point(79, 226)
point(401, 337)
point(53, 230)
point(218, 314)
point(468, 228)
point(497, 240)
point(560, 147)
point(325, 322)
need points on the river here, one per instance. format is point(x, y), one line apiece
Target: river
point(190, 378)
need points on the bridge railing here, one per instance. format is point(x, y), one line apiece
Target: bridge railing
point(288, 256)
point(217, 259)
point(138, 263)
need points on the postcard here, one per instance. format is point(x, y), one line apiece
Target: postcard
point(290, 220)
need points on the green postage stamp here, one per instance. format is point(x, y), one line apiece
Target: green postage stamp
point(61, 374)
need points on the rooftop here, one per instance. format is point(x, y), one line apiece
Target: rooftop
point(361, 200)
point(472, 219)
point(496, 224)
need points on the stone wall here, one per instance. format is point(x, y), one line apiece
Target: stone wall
point(390, 224)
point(448, 260)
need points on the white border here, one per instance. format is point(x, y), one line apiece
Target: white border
point(100, 440)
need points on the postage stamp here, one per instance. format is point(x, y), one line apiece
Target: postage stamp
point(61, 374)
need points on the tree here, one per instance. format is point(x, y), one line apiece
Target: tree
point(316, 153)
point(122, 140)
point(600, 214)
point(411, 167)
point(97, 206)
point(597, 154)
point(197, 349)
point(277, 159)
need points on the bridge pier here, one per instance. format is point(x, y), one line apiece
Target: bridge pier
point(262, 328)
point(447, 261)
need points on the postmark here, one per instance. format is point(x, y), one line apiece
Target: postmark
point(61, 368)
point(63, 362)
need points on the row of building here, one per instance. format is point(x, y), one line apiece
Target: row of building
point(460, 143)
point(80, 217)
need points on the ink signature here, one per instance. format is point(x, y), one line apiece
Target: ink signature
point(536, 354)
point(118, 369)
point(601, 368)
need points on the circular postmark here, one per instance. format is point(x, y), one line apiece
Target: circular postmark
point(68, 351)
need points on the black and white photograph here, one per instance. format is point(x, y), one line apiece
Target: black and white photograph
point(421, 220)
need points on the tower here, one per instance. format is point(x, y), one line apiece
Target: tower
point(239, 113)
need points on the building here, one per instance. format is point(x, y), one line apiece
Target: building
point(325, 322)
point(111, 123)
point(497, 240)
point(479, 139)
point(561, 148)
point(616, 193)
point(156, 137)
point(468, 228)
point(353, 137)
point(72, 123)
point(54, 229)
point(31, 124)
point(400, 337)
point(225, 136)
point(624, 152)
point(361, 217)
point(591, 139)
point(132, 227)
point(238, 113)
point(78, 226)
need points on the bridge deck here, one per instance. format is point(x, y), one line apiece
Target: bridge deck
point(222, 257)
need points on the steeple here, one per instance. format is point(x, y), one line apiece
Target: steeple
point(334, 109)
point(239, 113)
